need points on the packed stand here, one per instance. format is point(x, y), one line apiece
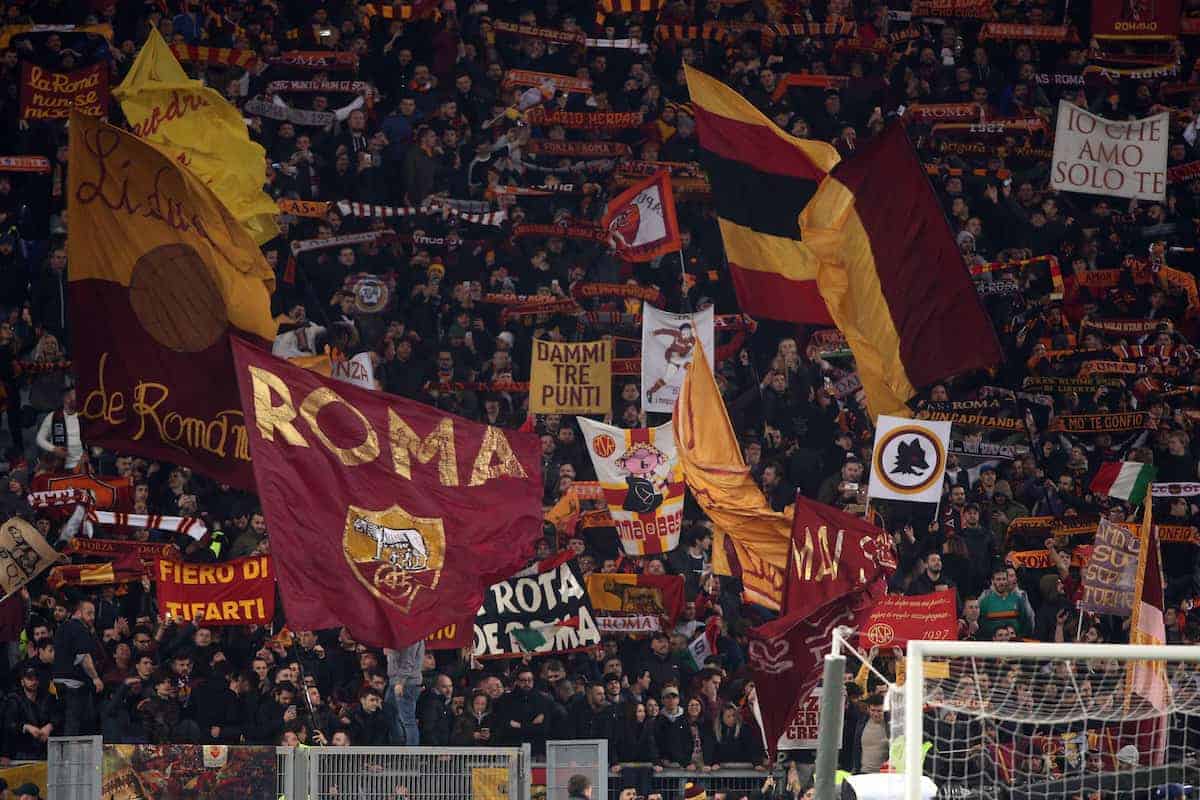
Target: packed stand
point(435, 130)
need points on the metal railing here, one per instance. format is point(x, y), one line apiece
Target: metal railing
point(670, 783)
point(74, 767)
point(418, 773)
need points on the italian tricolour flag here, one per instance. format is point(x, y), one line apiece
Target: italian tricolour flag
point(1124, 480)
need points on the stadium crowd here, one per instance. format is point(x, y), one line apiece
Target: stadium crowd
point(435, 120)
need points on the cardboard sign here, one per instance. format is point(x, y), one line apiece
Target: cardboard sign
point(239, 592)
point(571, 377)
point(1109, 578)
point(898, 618)
point(46, 94)
point(1093, 155)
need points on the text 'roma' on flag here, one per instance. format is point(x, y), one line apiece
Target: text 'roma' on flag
point(864, 236)
point(153, 294)
point(196, 125)
point(386, 515)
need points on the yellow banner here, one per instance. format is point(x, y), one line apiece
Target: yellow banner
point(571, 377)
point(199, 128)
point(156, 229)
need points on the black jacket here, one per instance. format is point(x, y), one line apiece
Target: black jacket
point(585, 723)
point(634, 742)
point(218, 706)
point(674, 740)
point(523, 707)
point(436, 719)
point(733, 746)
point(20, 711)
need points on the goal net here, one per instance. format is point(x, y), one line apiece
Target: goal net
point(1018, 722)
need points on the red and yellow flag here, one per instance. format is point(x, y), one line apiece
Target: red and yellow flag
point(862, 240)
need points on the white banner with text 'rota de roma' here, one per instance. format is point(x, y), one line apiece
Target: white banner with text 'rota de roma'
point(1115, 158)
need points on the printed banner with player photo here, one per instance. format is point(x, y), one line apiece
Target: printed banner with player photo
point(667, 343)
point(909, 459)
point(642, 481)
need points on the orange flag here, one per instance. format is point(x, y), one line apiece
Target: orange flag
point(719, 478)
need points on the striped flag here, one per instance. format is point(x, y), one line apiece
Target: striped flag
point(643, 483)
point(531, 638)
point(861, 243)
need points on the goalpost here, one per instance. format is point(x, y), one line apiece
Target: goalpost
point(1017, 721)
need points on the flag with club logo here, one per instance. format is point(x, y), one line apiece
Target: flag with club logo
point(641, 221)
point(908, 461)
point(642, 479)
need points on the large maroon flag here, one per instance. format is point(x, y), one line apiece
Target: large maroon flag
point(838, 568)
point(387, 516)
point(833, 554)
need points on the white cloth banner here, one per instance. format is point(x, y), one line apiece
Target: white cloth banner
point(1114, 158)
point(642, 479)
point(908, 461)
point(668, 341)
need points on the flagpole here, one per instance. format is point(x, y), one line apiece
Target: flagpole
point(687, 306)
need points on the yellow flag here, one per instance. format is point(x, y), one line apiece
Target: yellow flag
point(718, 477)
point(199, 128)
point(160, 273)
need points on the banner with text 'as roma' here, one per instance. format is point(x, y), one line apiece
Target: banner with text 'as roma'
point(626, 603)
point(46, 94)
point(1114, 158)
point(642, 480)
point(570, 377)
point(238, 592)
point(668, 341)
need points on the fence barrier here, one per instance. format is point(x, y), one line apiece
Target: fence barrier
point(84, 768)
point(73, 767)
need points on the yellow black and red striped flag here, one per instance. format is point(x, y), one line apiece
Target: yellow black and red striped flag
point(606, 7)
point(861, 243)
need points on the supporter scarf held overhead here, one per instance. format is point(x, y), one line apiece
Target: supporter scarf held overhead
point(861, 243)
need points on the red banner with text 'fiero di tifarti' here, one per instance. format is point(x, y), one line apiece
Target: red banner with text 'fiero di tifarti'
point(238, 592)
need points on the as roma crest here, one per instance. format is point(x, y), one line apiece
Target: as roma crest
point(394, 554)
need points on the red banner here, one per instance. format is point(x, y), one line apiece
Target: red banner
point(454, 636)
point(898, 618)
point(1135, 19)
point(387, 516)
point(239, 592)
point(53, 95)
